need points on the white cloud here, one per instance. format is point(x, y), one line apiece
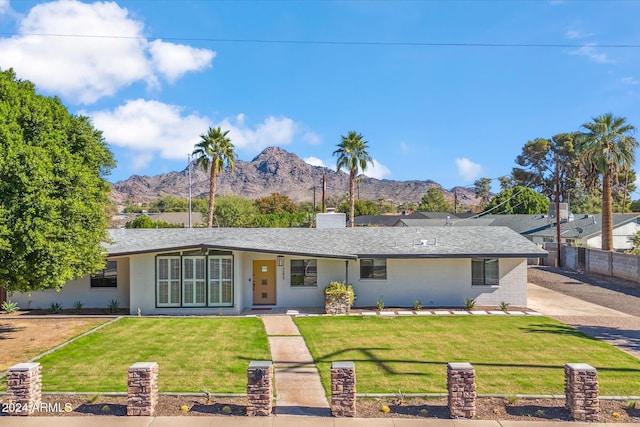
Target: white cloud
point(629, 81)
point(82, 62)
point(314, 161)
point(573, 34)
point(311, 138)
point(174, 60)
point(4, 6)
point(467, 169)
point(377, 170)
point(151, 127)
point(154, 128)
point(272, 131)
point(590, 52)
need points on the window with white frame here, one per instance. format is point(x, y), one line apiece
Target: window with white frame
point(168, 274)
point(304, 272)
point(373, 268)
point(484, 271)
point(220, 281)
point(194, 281)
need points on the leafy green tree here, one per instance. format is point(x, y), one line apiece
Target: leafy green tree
point(538, 169)
point(609, 146)
point(144, 221)
point(482, 190)
point(635, 206)
point(518, 200)
point(275, 203)
point(53, 195)
point(635, 240)
point(623, 187)
point(235, 211)
point(169, 204)
point(353, 155)
point(212, 153)
point(434, 201)
point(361, 207)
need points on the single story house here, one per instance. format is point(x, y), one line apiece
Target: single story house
point(227, 270)
point(578, 230)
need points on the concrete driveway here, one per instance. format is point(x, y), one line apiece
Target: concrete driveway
point(619, 329)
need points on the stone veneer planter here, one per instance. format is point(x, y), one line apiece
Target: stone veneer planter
point(337, 304)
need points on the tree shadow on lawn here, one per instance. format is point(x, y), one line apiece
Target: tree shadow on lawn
point(628, 339)
point(558, 329)
point(6, 329)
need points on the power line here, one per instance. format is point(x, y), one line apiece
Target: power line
point(330, 42)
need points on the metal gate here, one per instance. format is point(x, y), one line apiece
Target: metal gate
point(582, 259)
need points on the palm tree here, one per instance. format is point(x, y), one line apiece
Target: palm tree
point(212, 152)
point(608, 146)
point(352, 155)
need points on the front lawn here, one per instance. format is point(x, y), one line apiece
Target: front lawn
point(511, 355)
point(193, 354)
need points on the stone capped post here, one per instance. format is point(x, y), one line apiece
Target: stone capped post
point(581, 391)
point(24, 388)
point(142, 393)
point(343, 389)
point(461, 385)
point(259, 388)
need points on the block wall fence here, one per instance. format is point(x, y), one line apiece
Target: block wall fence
point(24, 389)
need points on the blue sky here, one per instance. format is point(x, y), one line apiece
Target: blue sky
point(409, 75)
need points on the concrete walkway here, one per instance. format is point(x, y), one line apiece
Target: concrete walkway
point(614, 327)
point(299, 390)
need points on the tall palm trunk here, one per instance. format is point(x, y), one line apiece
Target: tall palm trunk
point(213, 182)
point(352, 197)
point(607, 208)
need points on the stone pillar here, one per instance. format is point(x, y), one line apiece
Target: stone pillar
point(142, 392)
point(343, 389)
point(581, 391)
point(259, 388)
point(24, 388)
point(461, 385)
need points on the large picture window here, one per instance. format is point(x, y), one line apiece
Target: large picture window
point(373, 268)
point(220, 281)
point(107, 278)
point(194, 279)
point(304, 272)
point(484, 271)
point(168, 293)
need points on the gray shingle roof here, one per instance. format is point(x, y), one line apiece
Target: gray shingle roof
point(345, 243)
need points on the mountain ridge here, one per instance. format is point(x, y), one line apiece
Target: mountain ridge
point(277, 170)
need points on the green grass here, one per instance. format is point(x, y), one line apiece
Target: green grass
point(511, 355)
point(193, 354)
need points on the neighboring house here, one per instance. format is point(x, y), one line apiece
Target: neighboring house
point(179, 218)
point(577, 230)
point(227, 270)
point(391, 220)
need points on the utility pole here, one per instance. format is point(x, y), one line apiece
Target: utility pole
point(455, 200)
point(559, 262)
point(189, 173)
point(324, 188)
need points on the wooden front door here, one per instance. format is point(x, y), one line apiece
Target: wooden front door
point(264, 282)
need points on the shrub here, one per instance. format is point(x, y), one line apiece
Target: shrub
point(380, 304)
point(10, 307)
point(469, 303)
point(339, 288)
point(55, 307)
point(504, 306)
point(113, 306)
point(77, 306)
point(417, 305)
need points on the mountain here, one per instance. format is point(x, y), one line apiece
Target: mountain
point(277, 170)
